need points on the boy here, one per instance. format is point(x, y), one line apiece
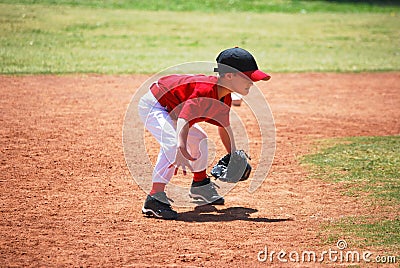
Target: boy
point(171, 110)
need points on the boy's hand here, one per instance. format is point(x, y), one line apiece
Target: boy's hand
point(182, 159)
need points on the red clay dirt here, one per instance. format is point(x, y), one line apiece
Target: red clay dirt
point(68, 199)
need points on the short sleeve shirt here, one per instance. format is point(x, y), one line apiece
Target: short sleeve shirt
point(193, 98)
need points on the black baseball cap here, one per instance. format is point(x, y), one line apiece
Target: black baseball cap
point(238, 59)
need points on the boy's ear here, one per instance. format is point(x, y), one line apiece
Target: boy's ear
point(228, 76)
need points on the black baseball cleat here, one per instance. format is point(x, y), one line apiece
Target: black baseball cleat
point(158, 206)
point(206, 192)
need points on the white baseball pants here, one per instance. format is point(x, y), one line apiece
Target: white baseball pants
point(158, 121)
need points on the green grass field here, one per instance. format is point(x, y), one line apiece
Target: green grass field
point(222, 6)
point(51, 38)
point(368, 166)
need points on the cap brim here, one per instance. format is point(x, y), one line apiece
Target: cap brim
point(257, 75)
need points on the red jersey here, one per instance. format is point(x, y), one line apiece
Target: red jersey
point(193, 98)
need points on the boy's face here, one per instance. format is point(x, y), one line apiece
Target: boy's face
point(241, 83)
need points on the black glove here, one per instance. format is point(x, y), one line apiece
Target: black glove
point(232, 167)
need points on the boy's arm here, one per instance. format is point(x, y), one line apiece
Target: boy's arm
point(182, 155)
point(227, 138)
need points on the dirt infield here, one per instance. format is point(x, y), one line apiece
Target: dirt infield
point(68, 199)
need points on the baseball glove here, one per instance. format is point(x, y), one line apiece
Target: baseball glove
point(232, 167)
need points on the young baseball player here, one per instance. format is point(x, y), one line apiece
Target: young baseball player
point(171, 110)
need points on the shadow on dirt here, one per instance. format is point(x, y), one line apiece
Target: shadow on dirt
point(212, 214)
